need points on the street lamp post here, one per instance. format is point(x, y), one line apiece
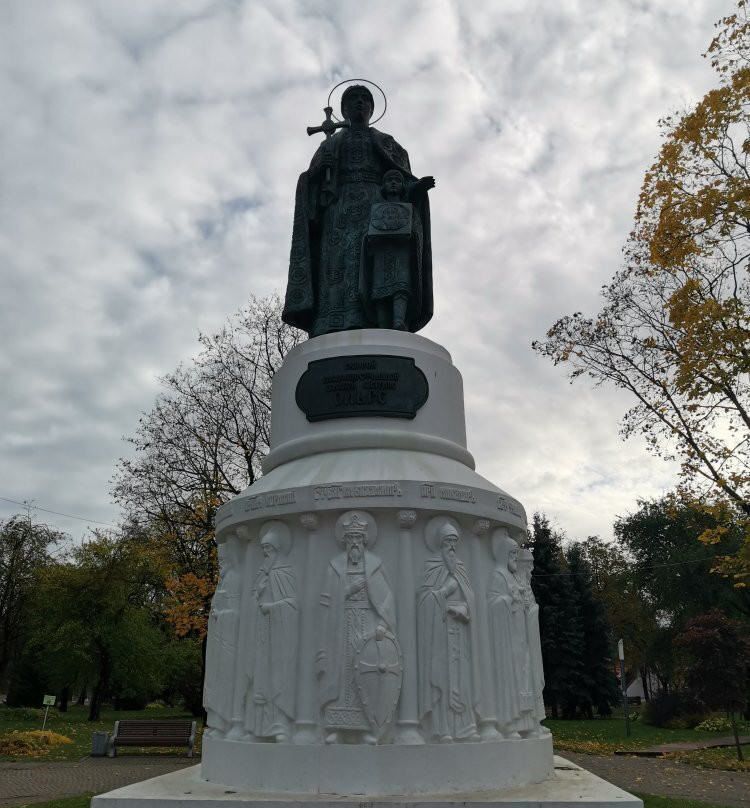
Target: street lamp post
point(623, 684)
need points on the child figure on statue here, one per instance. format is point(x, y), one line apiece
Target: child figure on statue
point(387, 284)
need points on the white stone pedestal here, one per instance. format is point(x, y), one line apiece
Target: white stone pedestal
point(568, 786)
point(373, 637)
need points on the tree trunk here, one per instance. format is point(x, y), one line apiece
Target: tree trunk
point(64, 699)
point(736, 736)
point(82, 696)
point(97, 697)
point(644, 683)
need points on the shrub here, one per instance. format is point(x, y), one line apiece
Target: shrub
point(27, 713)
point(716, 724)
point(47, 737)
point(679, 709)
point(131, 701)
point(30, 744)
point(14, 744)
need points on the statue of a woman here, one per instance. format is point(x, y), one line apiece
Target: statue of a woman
point(327, 288)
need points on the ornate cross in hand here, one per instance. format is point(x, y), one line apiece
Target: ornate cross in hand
point(329, 127)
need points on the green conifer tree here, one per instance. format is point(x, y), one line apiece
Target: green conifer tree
point(598, 679)
point(559, 623)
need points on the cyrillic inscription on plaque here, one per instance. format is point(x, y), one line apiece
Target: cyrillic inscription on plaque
point(365, 385)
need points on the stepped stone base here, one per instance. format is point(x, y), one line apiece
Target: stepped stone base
point(569, 786)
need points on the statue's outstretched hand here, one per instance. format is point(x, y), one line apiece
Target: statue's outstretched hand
point(424, 184)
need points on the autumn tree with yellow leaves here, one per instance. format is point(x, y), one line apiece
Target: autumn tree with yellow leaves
point(202, 443)
point(675, 326)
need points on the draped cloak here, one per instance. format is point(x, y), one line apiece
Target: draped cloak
point(434, 670)
point(380, 598)
point(221, 647)
point(271, 664)
point(535, 651)
point(322, 212)
point(508, 641)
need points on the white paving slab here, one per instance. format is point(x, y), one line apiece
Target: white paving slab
point(570, 786)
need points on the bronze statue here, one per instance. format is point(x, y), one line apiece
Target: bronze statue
point(342, 272)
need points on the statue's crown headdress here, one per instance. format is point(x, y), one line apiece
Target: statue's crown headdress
point(355, 523)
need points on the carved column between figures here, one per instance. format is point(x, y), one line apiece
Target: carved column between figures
point(407, 731)
point(307, 706)
point(487, 719)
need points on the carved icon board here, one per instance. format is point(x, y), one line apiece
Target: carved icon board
point(393, 218)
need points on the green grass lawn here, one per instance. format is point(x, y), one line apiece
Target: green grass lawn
point(68, 802)
point(724, 758)
point(74, 725)
point(596, 737)
point(649, 801)
point(602, 736)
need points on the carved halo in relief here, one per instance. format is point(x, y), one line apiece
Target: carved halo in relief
point(368, 526)
point(281, 533)
point(433, 534)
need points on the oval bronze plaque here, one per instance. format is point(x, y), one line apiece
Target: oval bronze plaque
point(362, 385)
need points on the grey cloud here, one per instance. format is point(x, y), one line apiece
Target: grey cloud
point(149, 153)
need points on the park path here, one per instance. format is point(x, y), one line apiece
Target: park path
point(24, 783)
point(684, 746)
point(668, 778)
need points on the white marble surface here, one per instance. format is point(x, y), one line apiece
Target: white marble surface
point(439, 424)
point(569, 787)
point(369, 663)
point(373, 771)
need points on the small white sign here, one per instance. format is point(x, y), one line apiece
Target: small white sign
point(49, 701)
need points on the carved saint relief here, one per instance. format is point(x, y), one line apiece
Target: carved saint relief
point(221, 645)
point(359, 664)
point(448, 669)
point(272, 654)
point(506, 592)
point(531, 613)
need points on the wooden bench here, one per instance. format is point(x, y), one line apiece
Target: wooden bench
point(152, 732)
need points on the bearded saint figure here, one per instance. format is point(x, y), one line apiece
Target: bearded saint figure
point(448, 669)
point(358, 603)
point(221, 644)
point(272, 655)
point(328, 289)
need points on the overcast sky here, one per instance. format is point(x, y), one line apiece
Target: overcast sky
point(149, 151)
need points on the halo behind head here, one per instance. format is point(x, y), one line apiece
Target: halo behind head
point(437, 528)
point(353, 83)
point(502, 544)
point(361, 521)
point(277, 534)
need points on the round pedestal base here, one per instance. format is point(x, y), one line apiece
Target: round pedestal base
point(377, 771)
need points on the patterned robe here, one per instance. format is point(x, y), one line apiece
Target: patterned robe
point(328, 286)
